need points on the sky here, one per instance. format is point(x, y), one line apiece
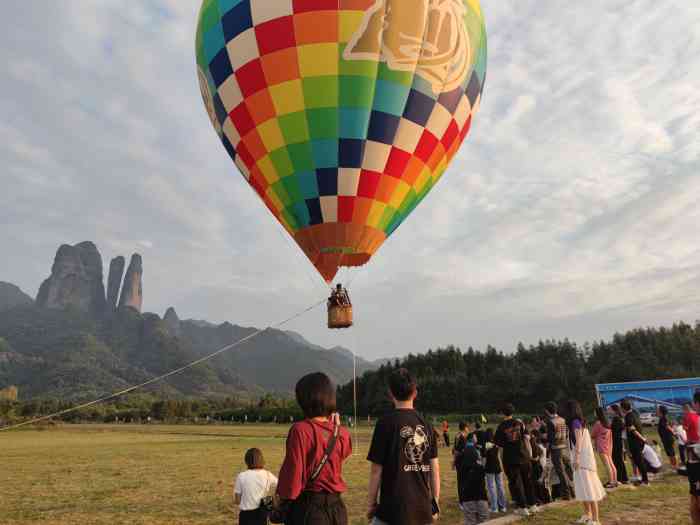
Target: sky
point(570, 211)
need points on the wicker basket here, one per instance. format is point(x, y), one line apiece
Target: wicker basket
point(339, 316)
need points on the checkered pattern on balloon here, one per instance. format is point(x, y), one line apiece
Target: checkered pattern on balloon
point(341, 114)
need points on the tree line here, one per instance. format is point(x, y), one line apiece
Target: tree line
point(463, 382)
point(145, 407)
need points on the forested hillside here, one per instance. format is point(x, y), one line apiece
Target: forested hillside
point(456, 381)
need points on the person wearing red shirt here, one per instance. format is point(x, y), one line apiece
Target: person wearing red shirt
point(318, 502)
point(690, 423)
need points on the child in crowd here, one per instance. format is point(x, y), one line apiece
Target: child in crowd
point(681, 439)
point(539, 466)
point(251, 487)
point(472, 495)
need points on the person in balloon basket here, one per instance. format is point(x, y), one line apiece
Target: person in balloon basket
point(311, 477)
point(404, 461)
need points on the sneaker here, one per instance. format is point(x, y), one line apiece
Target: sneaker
point(522, 512)
point(534, 509)
point(584, 519)
point(503, 511)
point(610, 485)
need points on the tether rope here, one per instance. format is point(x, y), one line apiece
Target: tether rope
point(167, 374)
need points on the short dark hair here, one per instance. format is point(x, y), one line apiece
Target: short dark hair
point(625, 405)
point(402, 384)
point(551, 407)
point(462, 425)
point(696, 397)
point(254, 458)
point(574, 412)
point(508, 409)
point(663, 409)
point(477, 425)
point(316, 395)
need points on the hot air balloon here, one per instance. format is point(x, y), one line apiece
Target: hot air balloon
point(341, 114)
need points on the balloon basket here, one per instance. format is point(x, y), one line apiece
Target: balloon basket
point(339, 316)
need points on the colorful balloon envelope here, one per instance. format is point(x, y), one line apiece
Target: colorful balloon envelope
point(341, 114)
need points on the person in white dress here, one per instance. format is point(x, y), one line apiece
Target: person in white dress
point(589, 489)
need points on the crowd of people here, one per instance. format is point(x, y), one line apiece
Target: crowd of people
point(543, 459)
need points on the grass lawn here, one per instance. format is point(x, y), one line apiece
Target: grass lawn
point(665, 502)
point(157, 474)
point(150, 474)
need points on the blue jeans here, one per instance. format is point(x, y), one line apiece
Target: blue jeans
point(497, 493)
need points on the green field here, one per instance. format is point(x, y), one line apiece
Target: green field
point(158, 474)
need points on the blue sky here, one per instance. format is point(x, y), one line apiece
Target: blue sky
point(571, 210)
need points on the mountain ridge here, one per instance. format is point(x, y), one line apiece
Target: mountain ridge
point(64, 347)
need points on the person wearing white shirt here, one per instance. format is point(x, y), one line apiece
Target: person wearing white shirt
point(681, 439)
point(251, 487)
point(651, 458)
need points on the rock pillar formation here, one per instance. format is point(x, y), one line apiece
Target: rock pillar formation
point(76, 280)
point(132, 289)
point(172, 322)
point(114, 281)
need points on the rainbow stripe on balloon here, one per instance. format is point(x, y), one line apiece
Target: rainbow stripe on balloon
point(341, 114)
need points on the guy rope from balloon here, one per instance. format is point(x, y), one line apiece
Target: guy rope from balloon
point(167, 374)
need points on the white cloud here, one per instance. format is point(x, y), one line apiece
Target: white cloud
point(570, 210)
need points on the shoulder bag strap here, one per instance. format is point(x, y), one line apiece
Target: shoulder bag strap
point(329, 450)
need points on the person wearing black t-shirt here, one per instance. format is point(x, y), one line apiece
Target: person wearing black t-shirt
point(494, 475)
point(666, 435)
point(510, 436)
point(617, 425)
point(472, 493)
point(458, 451)
point(404, 458)
point(635, 439)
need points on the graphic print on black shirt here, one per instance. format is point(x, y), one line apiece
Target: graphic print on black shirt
point(404, 444)
point(510, 437)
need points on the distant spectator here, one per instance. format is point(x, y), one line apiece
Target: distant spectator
point(691, 424)
point(510, 436)
point(539, 468)
point(460, 445)
point(446, 432)
point(617, 426)
point(251, 487)
point(681, 439)
point(587, 484)
point(666, 434)
point(480, 436)
point(635, 439)
point(651, 459)
point(558, 442)
point(601, 434)
point(494, 475)
point(472, 495)
point(319, 435)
